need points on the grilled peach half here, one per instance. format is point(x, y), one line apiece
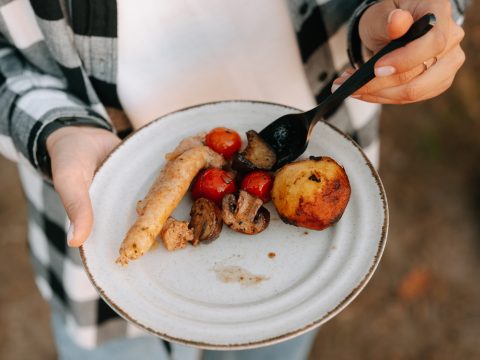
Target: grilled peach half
point(311, 193)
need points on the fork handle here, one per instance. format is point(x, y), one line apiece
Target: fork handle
point(366, 72)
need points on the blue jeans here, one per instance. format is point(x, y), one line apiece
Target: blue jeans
point(150, 347)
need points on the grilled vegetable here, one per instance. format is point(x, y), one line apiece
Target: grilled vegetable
point(224, 141)
point(311, 193)
point(206, 221)
point(214, 184)
point(245, 215)
point(257, 155)
point(258, 183)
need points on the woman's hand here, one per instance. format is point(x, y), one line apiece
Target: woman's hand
point(422, 69)
point(75, 153)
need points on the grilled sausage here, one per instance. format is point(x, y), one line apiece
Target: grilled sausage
point(166, 193)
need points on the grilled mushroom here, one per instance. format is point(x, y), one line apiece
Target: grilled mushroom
point(206, 221)
point(257, 155)
point(245, 215)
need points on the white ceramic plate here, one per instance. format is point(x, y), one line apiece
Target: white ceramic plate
point(294, 279)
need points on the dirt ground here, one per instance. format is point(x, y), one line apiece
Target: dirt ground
point(424, 300)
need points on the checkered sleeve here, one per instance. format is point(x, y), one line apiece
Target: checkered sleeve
point(31, 103)
point(458, 10)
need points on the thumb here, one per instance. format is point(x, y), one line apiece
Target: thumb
point(398, 23)
point(73, 190)
point(382, 23)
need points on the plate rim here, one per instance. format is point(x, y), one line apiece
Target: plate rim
point(288, 335)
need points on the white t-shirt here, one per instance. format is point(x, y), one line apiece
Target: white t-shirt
point(174, 54)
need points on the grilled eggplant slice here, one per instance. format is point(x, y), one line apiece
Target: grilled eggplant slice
point(258, 155)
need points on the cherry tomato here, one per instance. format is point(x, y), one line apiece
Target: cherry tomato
point(214, 184)
point(258, 183)
point(224, 141)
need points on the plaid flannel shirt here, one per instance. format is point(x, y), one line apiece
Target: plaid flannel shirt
point(58, 66)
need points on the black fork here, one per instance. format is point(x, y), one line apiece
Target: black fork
point(289, 135)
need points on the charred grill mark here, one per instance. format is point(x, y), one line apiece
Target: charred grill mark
point(336, 185)
point(204, 228)
point(286, 220)
point(337, 218)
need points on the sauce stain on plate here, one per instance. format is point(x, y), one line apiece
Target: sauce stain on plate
point(233, 273)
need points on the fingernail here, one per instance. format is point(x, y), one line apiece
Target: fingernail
point(346, 74)
point(384, 71)
point(356, 96)
point(335, 87)
point(389, 19)
point(70, 234)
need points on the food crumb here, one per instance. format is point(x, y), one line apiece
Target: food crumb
point(271, 255)
point(305, 233)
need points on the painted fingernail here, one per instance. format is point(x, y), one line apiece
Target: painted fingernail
point(335, 87)
point(389, 19)
point(70, 234)
point(384, 71)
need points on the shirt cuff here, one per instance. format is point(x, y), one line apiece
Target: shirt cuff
point(62, 118)
point(355, 46)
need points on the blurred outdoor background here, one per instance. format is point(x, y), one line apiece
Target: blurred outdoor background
point(423, 301)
